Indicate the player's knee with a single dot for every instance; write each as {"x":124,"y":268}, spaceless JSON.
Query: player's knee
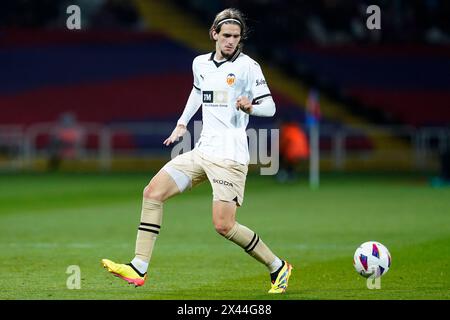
{"x":222,"y":228}
{"x":153,"y":193}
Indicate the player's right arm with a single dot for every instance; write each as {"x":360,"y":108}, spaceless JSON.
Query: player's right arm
{"x":194,"y":102}
{"x":177,"y":133}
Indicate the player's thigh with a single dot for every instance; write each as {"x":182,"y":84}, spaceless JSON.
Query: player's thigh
{"x":185,"y":170}
{"x":161,"y":187}
{"x":227,"y":179}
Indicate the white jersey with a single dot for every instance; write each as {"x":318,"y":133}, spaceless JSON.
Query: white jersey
{"x":219,"y":85}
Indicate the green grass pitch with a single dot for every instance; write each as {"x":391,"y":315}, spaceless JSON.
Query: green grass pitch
{"x":50,"y":222}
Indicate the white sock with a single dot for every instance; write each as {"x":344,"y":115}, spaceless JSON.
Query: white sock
{"x":275,"y":265}
{"x":139,"y":264}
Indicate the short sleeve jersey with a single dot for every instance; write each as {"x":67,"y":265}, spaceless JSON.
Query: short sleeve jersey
{"x":220,"y":84}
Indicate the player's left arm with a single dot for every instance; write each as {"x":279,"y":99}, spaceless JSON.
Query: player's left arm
{"x":264,"y":107}
{"x":262,"y":104}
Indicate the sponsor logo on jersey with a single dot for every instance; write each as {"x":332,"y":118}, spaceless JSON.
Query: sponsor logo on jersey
{"x":215,"y":98}
{"x":208,"y":96}
{"x":260,"y":82}
{"x":231,"y":78}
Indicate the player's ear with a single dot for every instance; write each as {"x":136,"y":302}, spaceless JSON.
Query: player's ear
{"x":215,"y":35}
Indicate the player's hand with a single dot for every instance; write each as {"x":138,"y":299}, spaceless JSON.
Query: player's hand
{"x":177,"y":133}
{"x":244,"y":104}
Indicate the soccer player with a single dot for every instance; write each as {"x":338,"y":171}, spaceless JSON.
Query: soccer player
{"x":230,"y":87}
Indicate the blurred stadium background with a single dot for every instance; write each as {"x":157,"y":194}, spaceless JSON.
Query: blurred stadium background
{"x":125,"y":77}
{"x":117,"y":86}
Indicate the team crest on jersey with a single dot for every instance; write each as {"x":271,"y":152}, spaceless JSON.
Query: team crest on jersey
{"x":231,"y":78}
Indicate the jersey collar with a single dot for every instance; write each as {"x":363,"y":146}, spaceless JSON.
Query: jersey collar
{"x":232,"y":58}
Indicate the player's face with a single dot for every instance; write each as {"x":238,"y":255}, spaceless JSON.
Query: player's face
{"x":227,"y":40}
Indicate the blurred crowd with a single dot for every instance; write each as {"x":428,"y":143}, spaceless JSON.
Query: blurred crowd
{"x":277,"y":21}
{"x":340,"y":21}
{"x":107,"y":14}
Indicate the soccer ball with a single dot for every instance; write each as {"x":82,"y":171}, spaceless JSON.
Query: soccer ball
{"x":372,"y":259}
